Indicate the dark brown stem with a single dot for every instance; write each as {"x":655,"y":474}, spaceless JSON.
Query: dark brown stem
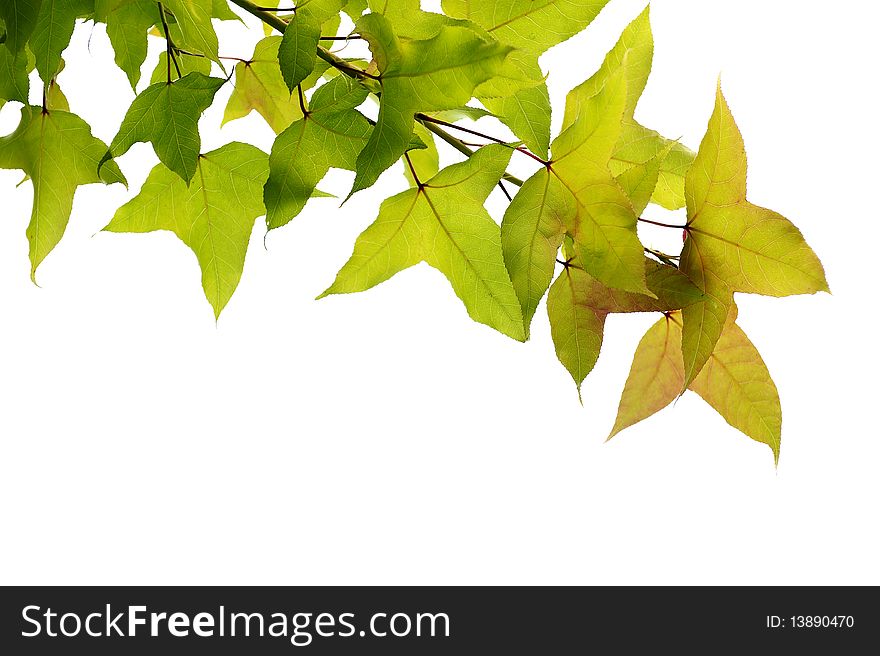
{"x":663,"y":225}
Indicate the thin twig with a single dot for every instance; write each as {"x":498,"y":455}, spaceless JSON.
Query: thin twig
{"x":431,"y":119}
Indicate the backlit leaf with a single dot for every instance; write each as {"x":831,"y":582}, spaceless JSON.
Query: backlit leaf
{"x":331,"y":135}
{"x":733,"y":245}
{"x":14,"y":69}
{"x":167,"y":116}
{"x":419,"y":75}
{"x":214,"y":216}
{"x":193,"y":18}
{"x":638,"y":149}
{"x":58,"y":153}
{"x":444,"y":224}
{"x":578,"y":305}
{"x":128,"y":22}
{"x":20,"y":18}
{"x":53,"y":30}
{"x":260,"y":86}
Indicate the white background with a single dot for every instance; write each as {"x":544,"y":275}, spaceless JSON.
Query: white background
{"x":384,"y":437}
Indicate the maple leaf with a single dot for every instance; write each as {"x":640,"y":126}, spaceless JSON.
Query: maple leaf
{"x":733,"y":245}
{"x":193,"y":18}
{"x":20,"y":18}
{"x":14,"y":70}
{"x":260,"y":86}
{"x":735,"y":382}
{"x":128,"y":22}
{"x":331,"y":134}
{"x":58,"y":153}
{"x":214,"y":215}
{"x":578,"y":305}
{"x":575,"y":194}
{"x":531,"y":27}
{"x":297,"y":53}
{"x":419,"y":75}
{"x":167,"y":114}
{"x":443,"y":222}
{"x":638,"y":150}
{"x":52,"y":32}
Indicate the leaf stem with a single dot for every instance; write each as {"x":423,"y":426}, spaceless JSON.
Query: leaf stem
{"x":463,"y":149}
{"x":412,"y":169}
{"x":663,"y":225}
{"x":169,"y":45}
{"x":431,"y":119}
{"x":265,"y":15}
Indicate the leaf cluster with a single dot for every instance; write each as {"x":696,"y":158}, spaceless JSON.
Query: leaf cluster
{"x":569,"y":233}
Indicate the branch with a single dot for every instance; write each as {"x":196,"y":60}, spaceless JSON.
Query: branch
{"x":336,"y":62}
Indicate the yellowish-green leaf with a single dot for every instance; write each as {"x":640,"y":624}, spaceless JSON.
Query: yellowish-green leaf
{"x":638,"y":148}
{"x":656,"y":377}
{"x":167,"y":115}
{"x":733,"y":245}
{"x":193,"y":18}
{"x":260,"y":86}
{"x":214,"y":216}
{"x":53,"y":30}
{"x":58,"y":153}
{"x":419,"y":75}
{"x":578,"y":305}
{"x":531,"y":27}
{"x":331,"y":135}
{"x":737,"y":384}
{"x":605,"y":225}
{"x":128,"y":22}
{"x":531,"y":234}
{"x":444,"y":224}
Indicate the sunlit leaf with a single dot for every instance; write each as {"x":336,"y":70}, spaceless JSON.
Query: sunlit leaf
{"x":444,"y":224}
{"x":214,"y":216}
{"x":58,"y":153}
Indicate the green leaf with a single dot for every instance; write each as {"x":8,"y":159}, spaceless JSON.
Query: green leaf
{"x":167,"y":116}
{"x":578,"y":305}
{"x":527,"y":113}
{"x":128,"y":22}
{"x":638,"y":147}
{"x":297,"y":54}
{"x":419,"y":75}
{"x":20,"y":17}
{"x":14,"y":69}
{"x":214,"y":216}
{"x":57,"y":151}
{"x":656,"y":377}
{"x":733,"y":245}
{"x":532,"y":27}
{"x":576,"y":195}
{"x":186,"y":64}
{"x":221,"y":11}
{"x":531,"y":234}
{"x":444,"y":224}
{"x":605,"y":225}
{"x":53,"y":30}
{"x":737,"y":384}
{"x":331,"y":135}
{"x":194,"y":20}
{"x":259,"y":86}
